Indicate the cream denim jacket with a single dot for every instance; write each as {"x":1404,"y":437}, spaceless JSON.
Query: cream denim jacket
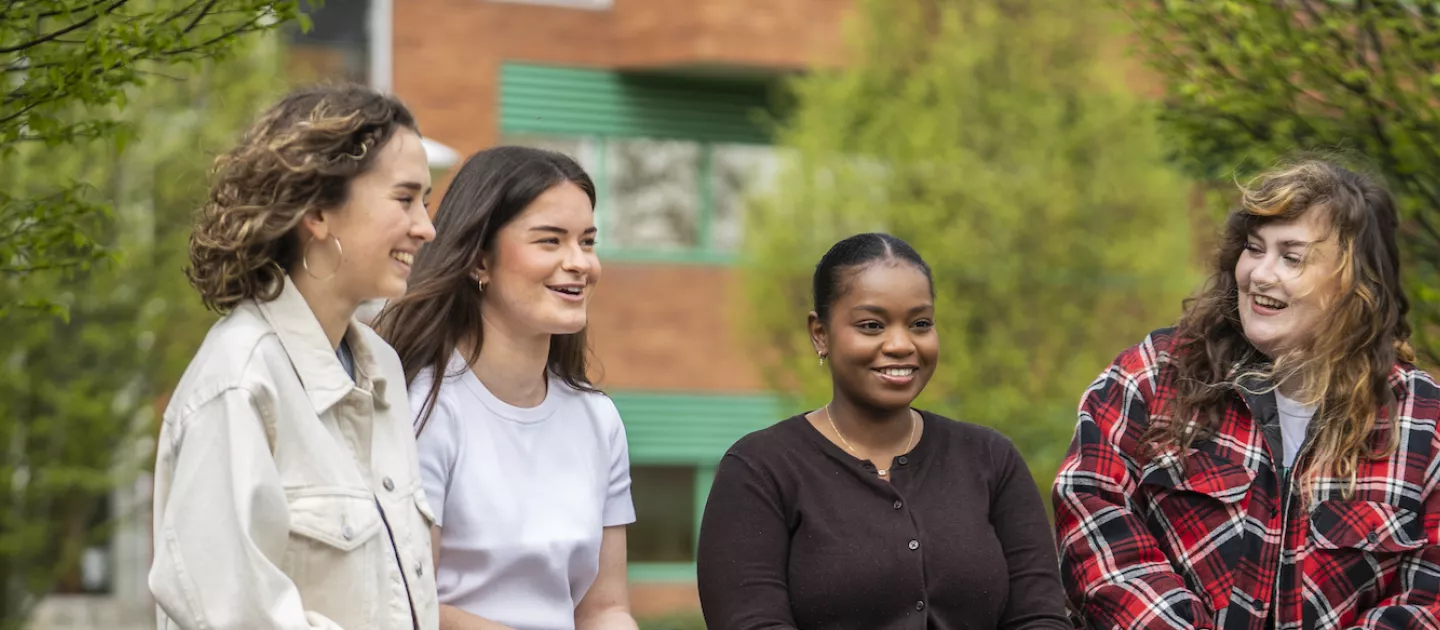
{"x":287,"y":495}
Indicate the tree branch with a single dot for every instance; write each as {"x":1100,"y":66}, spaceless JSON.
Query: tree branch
{"x":73,"y":27}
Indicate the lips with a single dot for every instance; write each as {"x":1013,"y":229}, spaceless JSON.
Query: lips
{"x":572,"y":292}
{"x":896,"y":375}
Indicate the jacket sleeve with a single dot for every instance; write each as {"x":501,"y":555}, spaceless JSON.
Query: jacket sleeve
{"x":222,"y":525}
{"x":1114,"y":571}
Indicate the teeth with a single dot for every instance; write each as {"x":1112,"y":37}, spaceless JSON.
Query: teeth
{"x":404,"y":257}
{"x":568,"y":290}
{"x":1269,"y":302}
{"x":897,"y":371}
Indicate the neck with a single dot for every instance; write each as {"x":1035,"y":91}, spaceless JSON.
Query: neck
{"x":512,"y":365}
{"x":868,"y":427}
{"x":332,"y":311}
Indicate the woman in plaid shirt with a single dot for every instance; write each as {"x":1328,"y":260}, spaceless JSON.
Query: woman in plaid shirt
{"x":1270,"y":462}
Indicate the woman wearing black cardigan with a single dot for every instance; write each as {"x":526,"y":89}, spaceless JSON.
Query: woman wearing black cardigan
{"x":866,"y":513}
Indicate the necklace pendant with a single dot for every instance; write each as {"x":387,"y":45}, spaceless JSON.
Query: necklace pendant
{"x":884,"y":471}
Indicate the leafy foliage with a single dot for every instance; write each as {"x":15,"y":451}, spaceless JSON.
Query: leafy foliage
{"x":1248,"y":81}
{"x":999,"y":139}
{"x":63,"y":65}
{"x":79,"y":397}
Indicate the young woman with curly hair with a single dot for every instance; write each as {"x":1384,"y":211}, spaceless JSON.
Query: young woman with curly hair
{"x":1272,"y":461}
{"x":287,"y":490}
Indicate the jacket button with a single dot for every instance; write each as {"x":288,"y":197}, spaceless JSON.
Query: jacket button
{"x":899,"y":505}
{"x":903,"y":460}
{"x":420,"y":569}
{"x":389,"y":484}
{"x":914,"y":544}
{"x":920,"y":605}
{"x":1372,"y":538}
{"x":347,"y":533}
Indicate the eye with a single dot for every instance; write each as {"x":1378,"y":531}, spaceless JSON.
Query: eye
{"x":551,"y":240}
{"x":924,"y":324}
{"x":1253,"y":247}
{"x":1294,"y":259}
{"x":406,"y":201}
{"x":870,"y":326}
{"x":588,"y":241}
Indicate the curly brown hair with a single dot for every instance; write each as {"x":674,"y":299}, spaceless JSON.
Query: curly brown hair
{"x":299,"y":157}
{"x":1344,"y":368}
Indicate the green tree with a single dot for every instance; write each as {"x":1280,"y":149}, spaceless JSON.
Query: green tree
{"x":1248,"y":81}
{"x":79,"y":398}
{"x":62,"y":64}
{"x":999,"y":140}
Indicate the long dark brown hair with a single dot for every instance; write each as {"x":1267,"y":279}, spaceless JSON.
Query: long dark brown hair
{"x":1345,"y":367}
{"x":441,"y":309}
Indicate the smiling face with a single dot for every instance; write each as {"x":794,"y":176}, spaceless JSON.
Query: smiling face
{"x":380,"y":226}
{"x":1286,"y":280}
{"x":880,"y":338}
{"x":543,"y":269}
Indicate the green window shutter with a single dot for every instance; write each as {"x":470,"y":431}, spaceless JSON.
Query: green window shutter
{"x":664,"y":428}
{"x":554,"y":100}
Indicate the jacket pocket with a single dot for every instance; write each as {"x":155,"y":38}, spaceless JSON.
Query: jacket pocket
{"x":339,"y":517}
{"x":333,"y":552}
{"x":1369,"y":526}
{"x":1203,"y":473}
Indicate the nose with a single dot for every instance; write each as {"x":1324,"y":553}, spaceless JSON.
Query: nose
{"x":1266,"y":274}
{"x":898,"y":342}
{"x":577,"y":260}
{"x":422,"y":228}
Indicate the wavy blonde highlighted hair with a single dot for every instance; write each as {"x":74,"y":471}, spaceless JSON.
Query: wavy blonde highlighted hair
{"x":1345,"y":366}
{"x":298,"y":158}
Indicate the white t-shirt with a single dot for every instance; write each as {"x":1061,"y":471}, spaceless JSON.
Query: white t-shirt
{"x":522,"y":496}
{"x":1294,"y":418}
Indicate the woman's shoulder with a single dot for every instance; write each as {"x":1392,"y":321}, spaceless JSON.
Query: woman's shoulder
{"x":967,"y":435}
{"x":775,"y":441}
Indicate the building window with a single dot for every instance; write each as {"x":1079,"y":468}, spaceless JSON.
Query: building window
{"x":337,"y":46}
{"x":667,"y":200}
{"x":664,"y":528}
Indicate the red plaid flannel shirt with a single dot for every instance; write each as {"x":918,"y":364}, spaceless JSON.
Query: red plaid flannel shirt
{"x":1209,"y":545}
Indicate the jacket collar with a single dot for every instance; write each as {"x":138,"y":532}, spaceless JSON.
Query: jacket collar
{"x":315,"y":362}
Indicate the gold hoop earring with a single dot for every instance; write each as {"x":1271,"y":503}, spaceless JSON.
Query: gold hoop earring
{"x":339,"y":257}
{"x":481,"y":284}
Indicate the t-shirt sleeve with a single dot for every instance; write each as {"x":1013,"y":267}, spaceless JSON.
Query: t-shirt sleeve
{"x":438,"y":446}
{"x":619,"y":508}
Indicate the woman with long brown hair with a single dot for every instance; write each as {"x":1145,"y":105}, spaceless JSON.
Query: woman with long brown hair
{"x":524,"y":461}
{"x":287,"y":490}
{"x":1270,"y":462}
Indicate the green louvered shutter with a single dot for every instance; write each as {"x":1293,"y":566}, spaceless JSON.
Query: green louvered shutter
{"x":586,"y":102}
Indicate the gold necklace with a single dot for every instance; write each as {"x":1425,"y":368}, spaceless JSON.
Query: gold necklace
{"x":881,"y":471}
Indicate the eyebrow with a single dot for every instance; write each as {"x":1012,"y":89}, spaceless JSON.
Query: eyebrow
{"x":1285,"y":243}
{"x":415,"y":186}
{"x":880,"y":311}
{"x":559,"y":230}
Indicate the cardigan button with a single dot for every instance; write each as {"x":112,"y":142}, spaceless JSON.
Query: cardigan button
{"x":899,"y":505}
{"x":902,"y":460}
{"x":914,"y":544}
{"x":389,"y":484}
{"x":1372,"y":538}
{"x":920,"y":605}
